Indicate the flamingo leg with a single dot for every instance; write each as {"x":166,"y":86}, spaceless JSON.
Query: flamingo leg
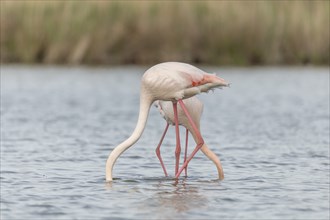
{"x":185,"y":152}
{"x":200,"y":141}
{"x":177,"y":133}
{"x":158,"y":150}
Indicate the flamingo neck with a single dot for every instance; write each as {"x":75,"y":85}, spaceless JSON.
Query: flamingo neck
{"x":214,"y":158}
{"x":145,"y":103}
{"x":209,"y":154}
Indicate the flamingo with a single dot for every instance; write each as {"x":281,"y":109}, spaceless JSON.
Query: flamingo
{"x":169,"y":81}
{"x":195,"y":109}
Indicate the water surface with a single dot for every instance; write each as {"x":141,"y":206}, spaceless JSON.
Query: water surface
{"x":58,"y":125}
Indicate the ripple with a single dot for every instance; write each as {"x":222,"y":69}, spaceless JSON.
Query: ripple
{"x":53,"y":156}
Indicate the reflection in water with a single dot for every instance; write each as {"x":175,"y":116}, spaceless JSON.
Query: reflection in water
{"x":165,"y":197}
{"x":108,"y":185}
{"x":179,"y":196}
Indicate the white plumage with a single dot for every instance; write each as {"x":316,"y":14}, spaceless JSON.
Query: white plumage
{"x":171,"y":81}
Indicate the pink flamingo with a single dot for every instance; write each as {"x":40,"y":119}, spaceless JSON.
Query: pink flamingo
{"x":195,"y":109}
{"x":170,"y":81}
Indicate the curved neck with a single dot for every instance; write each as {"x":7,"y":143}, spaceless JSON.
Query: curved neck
{"x":214,"y":158}
{"x":145,"y":103}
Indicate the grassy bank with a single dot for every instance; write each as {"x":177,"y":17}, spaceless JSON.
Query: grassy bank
{"x":143,"y":32}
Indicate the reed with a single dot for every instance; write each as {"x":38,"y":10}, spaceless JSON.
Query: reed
{"x":145,"y":32}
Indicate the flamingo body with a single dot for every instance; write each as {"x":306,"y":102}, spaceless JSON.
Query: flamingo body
{"x":170,"y":81}
{"x":193,"y":104}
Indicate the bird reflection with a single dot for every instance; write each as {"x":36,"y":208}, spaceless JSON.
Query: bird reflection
{"x":178,"y":195}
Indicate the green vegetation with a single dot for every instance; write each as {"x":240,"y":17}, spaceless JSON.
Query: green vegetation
{"x":146,"y":32}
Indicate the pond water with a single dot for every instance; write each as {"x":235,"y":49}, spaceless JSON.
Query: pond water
{"x":59,"y":124}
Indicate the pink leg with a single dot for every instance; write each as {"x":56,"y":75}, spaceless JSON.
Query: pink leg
{"x":198,"y":134}
{"x":158,"y":150}
{"x":177,"y":132}
{"x":185,"y":152}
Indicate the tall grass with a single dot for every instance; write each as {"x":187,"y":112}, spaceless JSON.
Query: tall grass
{"x":122,"y":32}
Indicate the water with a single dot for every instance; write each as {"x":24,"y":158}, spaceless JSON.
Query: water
{"x":58,"y":125}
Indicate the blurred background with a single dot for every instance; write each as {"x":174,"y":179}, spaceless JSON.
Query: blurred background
{"x":148,"y":32}
{"x":60,"y":121}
